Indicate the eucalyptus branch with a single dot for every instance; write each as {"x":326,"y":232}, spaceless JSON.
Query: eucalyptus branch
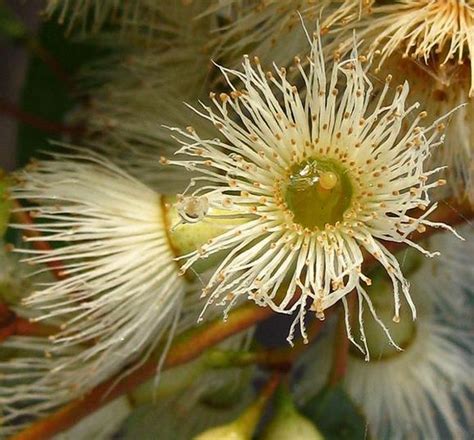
{"x":13,"y":111}
{"x":280,"y":359}
{"x":34,"y":237}
{"x":13,"y":325}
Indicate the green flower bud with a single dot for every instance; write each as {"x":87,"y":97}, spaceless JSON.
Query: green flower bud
{"x":288,"y":423}
{"x":240,"y":429}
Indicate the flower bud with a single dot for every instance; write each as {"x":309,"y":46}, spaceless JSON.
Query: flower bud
{"x":241,"y":428}
{"x":288,"y":423}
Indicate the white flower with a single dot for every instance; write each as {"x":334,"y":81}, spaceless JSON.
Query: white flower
{"x":454,"y":277}
{"x":426,"y":389}
{"x":146,"y":89}
{"x":436,"y":32}
{"x":430,"y":44}
{"x":272,"y":29}
{"x":119,"y":294}
{"x":318,"y":179}
{"x":92,"y":15}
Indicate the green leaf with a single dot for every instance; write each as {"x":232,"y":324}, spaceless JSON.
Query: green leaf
{"x":336,"y":415}
{"x":10,"y":26}
{"x":44,"y":95}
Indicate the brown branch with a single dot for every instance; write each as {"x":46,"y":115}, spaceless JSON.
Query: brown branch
{"x":186,"y":348}
{"x":24,"y":218}
{"x":11,"y":325}
{"x":271,"y":386}
{"x":191,"y":346}
{"x":283,"y":358}
{"x":278,"y":359}
{"x":7,"y":322}
{"x":10,"y":109}
{"x":37,"y":48}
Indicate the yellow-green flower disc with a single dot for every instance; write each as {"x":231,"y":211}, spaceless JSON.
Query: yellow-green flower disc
{"x":318,"y":192}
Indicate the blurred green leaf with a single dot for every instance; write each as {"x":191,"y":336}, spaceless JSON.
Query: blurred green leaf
{"x":10,"y":26}
{"x":44,"y":94}
{"x":336,"y":415}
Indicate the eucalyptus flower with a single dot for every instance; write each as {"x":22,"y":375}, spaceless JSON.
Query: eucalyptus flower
{"x":316,"y":181}
{"x":140,"y":92}
{"x":92,"y":15}
{"x":430,"y":44}
{"x":425,"y":389}
{"x":272,"y":29}
{"x":119,"y":294}
{"x":432,"y":31}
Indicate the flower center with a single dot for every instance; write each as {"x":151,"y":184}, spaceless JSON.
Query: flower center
{"x":318,"y":192}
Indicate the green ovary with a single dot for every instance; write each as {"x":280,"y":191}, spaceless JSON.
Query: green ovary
{"x":318,"y":192}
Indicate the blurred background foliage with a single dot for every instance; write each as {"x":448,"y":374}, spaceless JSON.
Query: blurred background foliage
{"x":48,"y":93}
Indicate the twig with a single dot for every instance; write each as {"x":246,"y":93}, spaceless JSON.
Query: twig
{"x":24,"y":218}
{"x":185,"y":349}
{"x":11,"y":324}
{"x":35,"y":121}
{"x":280,"y":359}
{"x":36,"y":47}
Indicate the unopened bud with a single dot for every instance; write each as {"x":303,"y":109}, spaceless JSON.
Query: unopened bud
{"x":288,"y":423}
{"x":240,"y":429}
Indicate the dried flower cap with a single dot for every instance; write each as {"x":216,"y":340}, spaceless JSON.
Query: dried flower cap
{"x":320,"y":181}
